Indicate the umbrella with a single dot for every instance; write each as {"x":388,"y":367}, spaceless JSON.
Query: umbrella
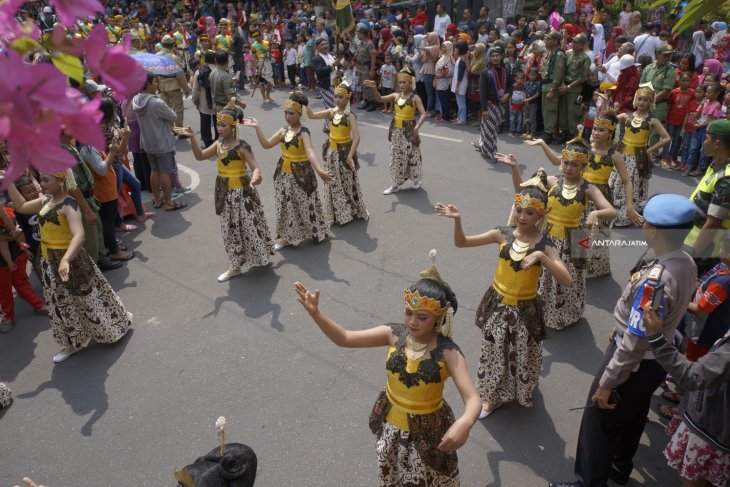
{"x":158,"y":65}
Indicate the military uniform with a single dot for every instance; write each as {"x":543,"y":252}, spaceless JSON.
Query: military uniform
{"x":609,"y":438}
{"x":363,"y":67}
{"x":662,"y":78}
{"x":552,"y":74}
{"x":577,"y":69}
{"x":171,"y":88}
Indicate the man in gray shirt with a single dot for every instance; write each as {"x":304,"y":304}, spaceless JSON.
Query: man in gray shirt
{"x":221,"y":83}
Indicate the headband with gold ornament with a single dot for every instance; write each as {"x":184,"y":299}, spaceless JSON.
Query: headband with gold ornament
{"x":343,"y":89}
{"x":404,"y":77}
{"x":224,"y":114}
{"x":645,"y":89}
{"x":293,"y":104}
{"x":528,"y":201}
{"x":415,"y":302}
{"x":604,"y":122}
{"x":574,"y":155}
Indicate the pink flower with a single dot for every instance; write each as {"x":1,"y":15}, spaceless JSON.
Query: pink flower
{"x":69,"y":10}
{"x":84,"y":124}
{"x":122,"y":73}
{"x":68,"y":45}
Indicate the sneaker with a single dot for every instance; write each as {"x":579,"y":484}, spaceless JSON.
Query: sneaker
{"x":281,"y":244}
{"x":183,"y":190}
{"x":416,"y":184}
{"x":391,"y":190}
{"x":65,"y":353}
{"x":6,"y":326}
{"x":229,"y":274}
{"x":485,"y":413}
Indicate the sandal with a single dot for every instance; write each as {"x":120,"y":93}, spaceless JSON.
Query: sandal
{"x":671,"y":397}
{"x":147,"y":215}
{"x":125,"y":228}
{"x":158,"y":205}
{"x":176,"y":206}
{"x":122,"y":255}
{"x":667,"y":412}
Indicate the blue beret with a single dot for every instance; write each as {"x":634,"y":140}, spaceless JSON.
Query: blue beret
{"x":666,"y":210}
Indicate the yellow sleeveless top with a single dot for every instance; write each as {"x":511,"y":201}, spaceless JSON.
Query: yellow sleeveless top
{"x":565,"y":213}
{"x":340,"y":131}
{"x":599,"y":168}
{"x":405,"y":110}
{"x":55,"y":232}
{"x":511,"y":281}
{"x":231,"y":165}
{"x":636,"y":135}
{"x":292,"y":150}
{"x":415,"y":386}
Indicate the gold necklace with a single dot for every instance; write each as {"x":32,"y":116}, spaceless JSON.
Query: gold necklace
{"x":337,"y":117}
{"x":518,"y":250}
{"x":415,"y":350}
{"x":289,"y":135}
{"x":569,"y":191}
{"x":637,"y":121}
{"x":401,"y":101}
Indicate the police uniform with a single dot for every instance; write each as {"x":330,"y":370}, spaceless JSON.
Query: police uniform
{"x":662,"y":78}
{"x":577,"y":69}
{"x":712,"y":198}
{"x":552,"y":73}
{"x":172,"y":87}
{"x":609,"y":438}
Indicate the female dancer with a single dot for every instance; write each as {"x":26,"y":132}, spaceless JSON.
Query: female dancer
{"x":568,"y":197}
{"x":493,"y":92}
{"x":299,"y":212}
{"x":405,"y":151}
{"x":511,"y":312}
{"x":82,"y":303}
{"x":417,"y":434}
{"x":635,"y":149}
{"x":343,"y":199}
{"x":602,"y":161}
{"x":246,"y":236}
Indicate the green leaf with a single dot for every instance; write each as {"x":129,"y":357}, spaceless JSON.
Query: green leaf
{"x":69,"y":65}
{"x":24,"y":45}
{"x":694,"y":11}
{"x":659,"y":2}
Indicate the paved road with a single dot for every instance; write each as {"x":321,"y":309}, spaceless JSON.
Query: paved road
{"x":128,"y":414}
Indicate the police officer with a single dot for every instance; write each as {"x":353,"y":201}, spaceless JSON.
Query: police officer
{"x":577,"y":69}
{"x":552,"y":73}
{"x":172,"y":87}
{"x":712,"y":198}
{"x":621,"y":392}
{"x":663,"y":78}
{"x":365,"y":66}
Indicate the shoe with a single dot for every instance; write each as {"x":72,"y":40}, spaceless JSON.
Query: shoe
{"x":64,"y":354}
{"x":42,"y":311}
{"x":183,"y":190}
{"x":6,"y":326}
{"x":130,"y":316}
{"x":122,"y":255}
{"x":281,"y":244}
{"x":107,"y":264}
{"x":416,"y":185}
{"x":372,"y":108}
{"x":125,"y":228}
{"x":391,"y":190}
{"x":229,"y":274}
{"x":618,"y":476}
{"x":565,"y":484}
{"x":486,"y":413}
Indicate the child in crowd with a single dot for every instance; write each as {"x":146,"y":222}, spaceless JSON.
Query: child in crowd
{"x":249,"y":63}
{"x":678,"y":105}
{"x":290,"y":61}
{"x":387,"y":81}
{"x":277,"y":63}
{"x":533,"y":88}
{"x":7,"y":235}
{"x":690,"y":121}
{"x":29,"y":223}
{"x":709,"y":110}
{"x":300,"y":61}
{"x":517,"y":103}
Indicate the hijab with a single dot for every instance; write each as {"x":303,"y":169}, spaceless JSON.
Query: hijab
{"x":599,"y":41}
{"x":444,"y":59}
{"x":433,"y":45}
{"x":478,"y":61}
{"x":713,"y":67}
{"x":634,"y":28}
{"x":211,"y":28}
{"x":500,"y":26}
{"x":387,"y":39}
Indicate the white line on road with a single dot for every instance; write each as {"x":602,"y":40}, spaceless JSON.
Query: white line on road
{"x":194,"y":182}
{"x":386,"y":127}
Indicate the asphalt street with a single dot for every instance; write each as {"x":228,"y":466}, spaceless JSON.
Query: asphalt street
{"x":128,"y":414}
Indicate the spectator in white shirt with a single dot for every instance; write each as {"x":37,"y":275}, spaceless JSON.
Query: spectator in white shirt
{"x":441,"y":21}
{"x":646,"y":43}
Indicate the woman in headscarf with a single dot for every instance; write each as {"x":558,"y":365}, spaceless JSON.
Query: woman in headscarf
{"x":634,"y":28}
{"x":720,"y":31}
{"x":477,"y":64}
{"x":211,"y":28}
{"x":611,"y":45}
{"x":415,"y":59}
{"x":599,"y":41}
{"x":626,"y":84}
{"x":429,"y":55}
{"x":493,"y":91}
{"x":500,"y":26}
{"x":386,"y":40}
{"x":451,"y":32}
{"x":444,"y":73}
{"x":710,"y":66}
{"x":723,"y":51}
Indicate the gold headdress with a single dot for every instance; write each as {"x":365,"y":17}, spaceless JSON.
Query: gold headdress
{"x":66,"y":179}
{"x":524,"y":199}
{"x":293,"y":104}
{"x":415,"y":302}
{"x":405,"y":74}
{"x":232,"y":114}
{"x":645,"y":89}
{"x":528,"y":201}
{"x":343,"y":89}
{"x":600,"y":121}
{"x":573,"y":153}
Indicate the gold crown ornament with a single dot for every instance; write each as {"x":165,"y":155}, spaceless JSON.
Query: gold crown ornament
{"x":575,"y":155}
{"x":293,"y":104}
{"x":415,"y":302}
{"x":646,"y":89}
{"x":529,"y":201}
{"x":604,"y":122}
{"x":343,"y":89}
{"x":225,"y":116}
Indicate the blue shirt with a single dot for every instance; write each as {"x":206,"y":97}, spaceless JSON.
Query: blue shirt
{"x":532,"y":87}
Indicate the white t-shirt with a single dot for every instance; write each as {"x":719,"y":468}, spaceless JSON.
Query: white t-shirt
{"x":387,"y":76}
{"x":440,"y":24}
{"x":646,"y":44}
{"x":290,"y":56}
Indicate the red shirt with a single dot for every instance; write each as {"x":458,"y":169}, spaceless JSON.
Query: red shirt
{"x":678,"y":101}
{"x":277,"y":55}
{"x":694,"y":114}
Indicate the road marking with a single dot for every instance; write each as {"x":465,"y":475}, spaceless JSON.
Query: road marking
{"x":387,"y":127}
{"x":194,"y":182}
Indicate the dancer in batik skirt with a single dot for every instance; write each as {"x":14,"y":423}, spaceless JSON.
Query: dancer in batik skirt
{"x":635,"y":149}
{"x":603,"y":159}
{"x":511,"y":312}
{"x":417,"y":433}
{"x":299,"y":213}
{"x":405,"y":150}
{"x":343,"y":199}
{"x":568,"y":196}
{"x":246,"y":235}
{"x":81,"y":302}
